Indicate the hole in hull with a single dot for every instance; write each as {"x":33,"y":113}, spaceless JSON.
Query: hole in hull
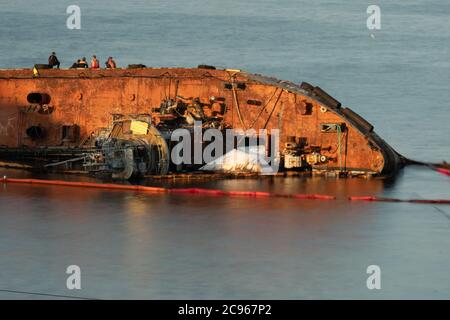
{"x":38,"y":98}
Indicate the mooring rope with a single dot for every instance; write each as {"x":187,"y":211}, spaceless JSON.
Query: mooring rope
{"x":378,"y":199}
{"x":236,"y":102}
{"x":443,"y":168}
{"x":339,"y":131}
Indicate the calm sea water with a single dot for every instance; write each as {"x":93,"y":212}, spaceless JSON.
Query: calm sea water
{"x":144,"y":246}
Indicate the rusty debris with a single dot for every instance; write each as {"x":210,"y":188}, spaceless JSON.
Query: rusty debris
{"x":118,"y":122}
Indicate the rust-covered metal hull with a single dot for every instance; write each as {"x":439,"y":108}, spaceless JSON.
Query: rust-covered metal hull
{"x":70,"y":105}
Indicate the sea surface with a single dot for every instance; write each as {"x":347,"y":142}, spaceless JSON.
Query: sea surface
{"x":133,"y":245}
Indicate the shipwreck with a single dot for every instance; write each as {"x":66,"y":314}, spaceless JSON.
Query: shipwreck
{"x":119,"y":122}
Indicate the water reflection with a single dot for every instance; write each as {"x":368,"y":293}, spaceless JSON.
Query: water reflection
{"x":138,"y":245}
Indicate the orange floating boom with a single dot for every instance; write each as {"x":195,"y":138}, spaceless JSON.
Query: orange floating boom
{"x":213,"y":192}
{"x":165,"y":190}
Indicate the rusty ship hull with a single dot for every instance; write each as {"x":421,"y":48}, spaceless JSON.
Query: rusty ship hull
{"x":57,"y":112}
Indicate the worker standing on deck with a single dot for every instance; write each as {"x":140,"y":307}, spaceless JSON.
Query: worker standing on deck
{"x":94,"y":63}
{"x":53,"y":60}
{"x":110,"y":63}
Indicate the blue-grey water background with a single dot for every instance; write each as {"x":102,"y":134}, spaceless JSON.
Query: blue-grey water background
{"x":131,"y":245}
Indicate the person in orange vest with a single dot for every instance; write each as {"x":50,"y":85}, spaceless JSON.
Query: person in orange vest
{"x":110,"y":63}
{"x":94,"y":62}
